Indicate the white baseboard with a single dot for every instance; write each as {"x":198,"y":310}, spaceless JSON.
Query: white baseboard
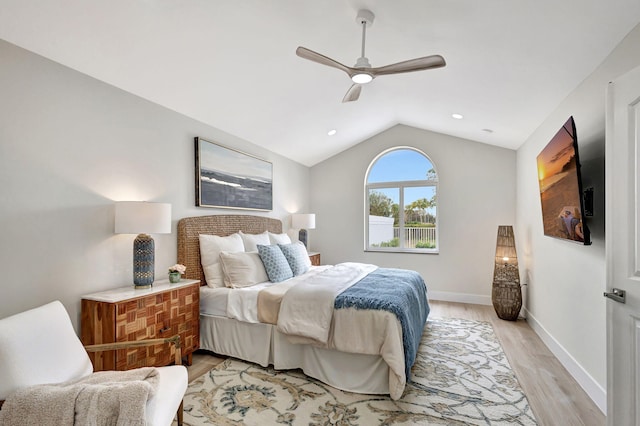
{"x":596,"y":392}
{"x":475,"y":299}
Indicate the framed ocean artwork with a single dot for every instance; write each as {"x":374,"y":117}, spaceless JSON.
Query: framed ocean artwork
{"x":227,"y":178}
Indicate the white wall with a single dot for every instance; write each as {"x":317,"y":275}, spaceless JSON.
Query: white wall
{"x":380,"y":229}
{"x":71,"y":145}
{"x":476,"y":194}
{"x":566,"y":280}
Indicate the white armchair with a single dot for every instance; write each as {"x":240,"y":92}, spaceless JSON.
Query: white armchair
{"x":40,"y":346}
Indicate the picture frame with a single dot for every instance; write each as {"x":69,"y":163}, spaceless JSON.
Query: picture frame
{"x":228,"y":178}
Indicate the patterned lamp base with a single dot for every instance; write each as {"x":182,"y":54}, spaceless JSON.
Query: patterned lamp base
{"x":143,"y":261}
{"x":506,"y":294}
{"x":302,"y":236}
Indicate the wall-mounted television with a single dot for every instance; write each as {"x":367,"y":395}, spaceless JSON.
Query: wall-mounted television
{"x":563,"y":213}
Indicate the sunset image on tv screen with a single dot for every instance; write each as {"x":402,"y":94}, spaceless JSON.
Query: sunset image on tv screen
{"x":560,"y":188}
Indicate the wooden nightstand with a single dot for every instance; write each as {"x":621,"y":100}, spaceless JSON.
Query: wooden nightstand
{"x":315,"y":258}
{"x":127,"y":314}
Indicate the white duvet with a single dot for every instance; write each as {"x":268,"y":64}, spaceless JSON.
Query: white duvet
{"x":307,"y":308}
{"x":242,"y":303}
{"x":307,"y":316}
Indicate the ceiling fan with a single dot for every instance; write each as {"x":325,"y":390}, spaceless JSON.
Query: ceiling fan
{"x":362,"y":72}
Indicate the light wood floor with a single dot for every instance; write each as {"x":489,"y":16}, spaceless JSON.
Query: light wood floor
{"x":555,"y":397}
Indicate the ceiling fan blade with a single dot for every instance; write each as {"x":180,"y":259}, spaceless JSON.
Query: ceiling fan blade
{"x":305,"y":53}
{"x":418,"y":64}
{"x":353,"y":93}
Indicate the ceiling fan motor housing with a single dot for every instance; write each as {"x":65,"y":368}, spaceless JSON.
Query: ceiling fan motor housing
{"x":362,"y":62}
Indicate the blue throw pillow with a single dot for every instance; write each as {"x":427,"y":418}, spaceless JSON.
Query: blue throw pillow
{"x":297,"y":257}
{"x":275,"y":263}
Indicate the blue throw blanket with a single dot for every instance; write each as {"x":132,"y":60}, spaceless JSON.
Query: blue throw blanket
{"x":399,"y":291}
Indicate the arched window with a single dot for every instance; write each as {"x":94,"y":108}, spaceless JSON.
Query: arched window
{"x":401,"y":202}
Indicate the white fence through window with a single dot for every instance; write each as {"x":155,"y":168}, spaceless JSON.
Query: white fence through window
{"x":413,"y":235}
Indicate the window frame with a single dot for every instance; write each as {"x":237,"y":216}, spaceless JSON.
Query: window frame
{"x":400,"y":185}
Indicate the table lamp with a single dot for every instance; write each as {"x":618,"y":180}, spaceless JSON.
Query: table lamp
{"x":303,"y":222}
{"x":143,"y":218}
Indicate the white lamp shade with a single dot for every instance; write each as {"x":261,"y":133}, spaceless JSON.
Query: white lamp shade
{"x":303,"y":221}
{"x":140,"y":217}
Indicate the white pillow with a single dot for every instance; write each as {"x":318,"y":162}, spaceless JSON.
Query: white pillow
{"x":242,"y":269}
{"x":251,"y":241}
{"x":210,"y":248}
{"x":279,"y":239}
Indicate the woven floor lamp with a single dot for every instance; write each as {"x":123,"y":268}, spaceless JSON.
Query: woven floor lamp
{"x":506,"y":294}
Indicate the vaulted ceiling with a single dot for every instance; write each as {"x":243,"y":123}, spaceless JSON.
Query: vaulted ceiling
{"x":232,"y":64}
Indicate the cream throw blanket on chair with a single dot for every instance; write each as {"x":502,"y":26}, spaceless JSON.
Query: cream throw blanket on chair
{"x":103,"y":398}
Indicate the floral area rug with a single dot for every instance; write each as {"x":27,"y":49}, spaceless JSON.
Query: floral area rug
{"x":461,"y":377}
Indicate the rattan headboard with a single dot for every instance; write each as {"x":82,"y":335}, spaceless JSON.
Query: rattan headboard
{"x":190,"y":227}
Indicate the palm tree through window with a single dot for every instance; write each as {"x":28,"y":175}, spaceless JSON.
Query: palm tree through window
{"x":401,"y":202}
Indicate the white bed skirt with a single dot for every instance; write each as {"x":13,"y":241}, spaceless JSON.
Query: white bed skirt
{"x":263,"y":344}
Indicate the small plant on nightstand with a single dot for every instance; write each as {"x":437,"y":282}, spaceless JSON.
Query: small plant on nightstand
{"x":175,"y":271}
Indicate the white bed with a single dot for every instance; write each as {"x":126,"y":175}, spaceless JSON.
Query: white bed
{"x":335,"y":364}
{"x":264,"y":345}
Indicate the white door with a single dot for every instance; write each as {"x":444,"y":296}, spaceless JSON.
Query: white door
{"x":623,"y":249}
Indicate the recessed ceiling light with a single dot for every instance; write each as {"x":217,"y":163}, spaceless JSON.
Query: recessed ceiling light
{"x":332,"y":132}
{"x":457,"y":116}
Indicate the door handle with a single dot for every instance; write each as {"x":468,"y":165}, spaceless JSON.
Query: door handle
{"x":617,"y":295}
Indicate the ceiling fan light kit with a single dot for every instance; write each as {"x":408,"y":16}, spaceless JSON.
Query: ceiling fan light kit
{"x":362,"y":72}
{"x":361,"y":78}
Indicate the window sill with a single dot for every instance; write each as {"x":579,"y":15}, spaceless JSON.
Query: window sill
{"x":414,"y":251}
